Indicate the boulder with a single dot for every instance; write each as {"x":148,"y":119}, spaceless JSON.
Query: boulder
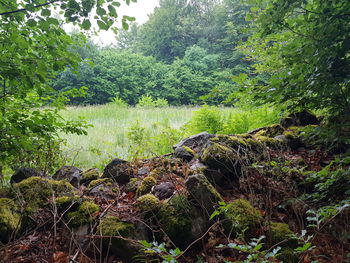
{"x":164,"y":190}
{"x":24,"y":173}
{"x":10,"y":219}
{"x":89,"y":175}
{"x":119,"y":170}
{"x":301,"y":118}
{"x":185,"y":153}
{"x":203,"y":192}
{"x":195,"y":142}
{"x":104,"y":188}
{"x":71,"y":174}
{"x":268,"y":131}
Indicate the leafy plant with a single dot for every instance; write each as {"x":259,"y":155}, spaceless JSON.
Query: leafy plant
{"x":156,"y":249}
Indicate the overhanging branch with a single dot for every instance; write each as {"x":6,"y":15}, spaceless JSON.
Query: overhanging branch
{"x":24,"y":9}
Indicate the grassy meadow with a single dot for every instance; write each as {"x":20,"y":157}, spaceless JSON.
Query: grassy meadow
{"x":131,"y":132}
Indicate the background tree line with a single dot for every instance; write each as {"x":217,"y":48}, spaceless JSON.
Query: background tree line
{"x":186,"y":50}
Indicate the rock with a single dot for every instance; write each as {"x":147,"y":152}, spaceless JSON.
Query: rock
{"x":143,"y":171}
{"x":185,"y":153}
{"x":89,"y":175}
{"x":223,"y":159}
{"x":197,"y":165}
{"x":116,"y":236}
{"x":268,"y":131}
{"x":85,"y":213}
{"x":293,"y":142}
{"x":241,"y":217}
{"x":35,"y":192}
{"x":148,"y":203}
{"x":281,"y":232}
{"x":69,"y":173}
{"x":104,"y":188}
{"x":10,"y":219}
{"x":302,"y":118}
{"x":195,"y":142}
{"x":163,"y":190}
{"x":119,"y":170}
{"x":24,"y":173}
{"x":146,"y":185}
{"x":202,"y":191}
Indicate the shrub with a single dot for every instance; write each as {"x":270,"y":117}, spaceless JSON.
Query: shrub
{"x":147,"y":101}
{"x":207,"y":118}
{"x":119,"y":102}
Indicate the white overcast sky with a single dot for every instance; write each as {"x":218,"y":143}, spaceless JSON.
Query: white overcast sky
{"x":139,"y":10}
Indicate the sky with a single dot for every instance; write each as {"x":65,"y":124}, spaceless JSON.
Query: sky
{"x":139,"y":10}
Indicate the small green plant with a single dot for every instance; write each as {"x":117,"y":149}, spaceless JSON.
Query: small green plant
{"x":154,"y":249}
{"x":119,"y":102}
{"x":207,"y":118}
{"x":147,"y":101}
{"x":254,"y":252}
{"x":139,"y":140}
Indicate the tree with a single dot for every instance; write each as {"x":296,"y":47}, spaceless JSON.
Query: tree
{"x":33,"y":48}
{"x":303,"y":46}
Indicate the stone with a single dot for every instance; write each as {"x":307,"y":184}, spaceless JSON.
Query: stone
{"x":183,"y":153}
{"x":143,"y":171}
{"x":71,"y":174}
{"x":195,"y":142}
{"x":10,"y":219}
{"x":119,"y":170}
{"x":89,"y":175}
{"x":203,"y":192}
{"x":24,"y":173}
{"x":301,"y":118}
{"x":163,"y":190}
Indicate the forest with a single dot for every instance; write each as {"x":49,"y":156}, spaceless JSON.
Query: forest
{"x":215,"y":131}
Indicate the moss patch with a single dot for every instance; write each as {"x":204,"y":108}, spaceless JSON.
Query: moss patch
{"x":36,"y":191}
{"x":148,"y":203}
{"x":90,"y":175}
{"x":281,"y":232}
{"x":9,"y":219}
{"x":104,"y":181}
{"x":241,"y":218}
{"x":85,"y":214}
{"x":146,"y":185}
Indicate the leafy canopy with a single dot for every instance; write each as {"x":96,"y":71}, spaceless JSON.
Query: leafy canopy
{"x":303,"y":48}
{"x":33,"y":48}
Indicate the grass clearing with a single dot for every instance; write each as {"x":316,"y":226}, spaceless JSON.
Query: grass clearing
{"x":130,"y":132}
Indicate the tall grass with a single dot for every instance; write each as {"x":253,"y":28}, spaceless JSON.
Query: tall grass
{"x":128,"y":132}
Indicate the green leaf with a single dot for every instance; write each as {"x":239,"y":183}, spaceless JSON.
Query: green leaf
{"x":46,"y":12}
{"x":31,"y":22}
{"x":102,"y":25}
{"x":86,"y":25}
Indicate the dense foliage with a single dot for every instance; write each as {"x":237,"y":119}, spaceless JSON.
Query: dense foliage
{"x":303,"y":46}
{"x":33,"y":48}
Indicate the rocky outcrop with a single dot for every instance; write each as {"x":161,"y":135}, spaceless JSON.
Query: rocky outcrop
{"x":119,"y":170}
{"x":24,"y":173}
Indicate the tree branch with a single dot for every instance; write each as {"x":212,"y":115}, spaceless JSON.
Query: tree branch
{"x":24,"y":9}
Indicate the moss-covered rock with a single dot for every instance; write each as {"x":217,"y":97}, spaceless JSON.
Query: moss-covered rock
{"x":287,"y":255}
{"x":90,"y":175}
{"x":241,"y":218}
{"x":24,"y":173}
{"x":203,"y":192}
{"x":146,"y":185}
{"x":221,"y":158}
{"x":270,"y":131}
{"x":176,"y":220}
{"x":281,"y":233}
{"x":9,"y":219}
{"x":119,"y":170}
{"x":36,"y":191}
{"x":148,"y":203}
{"x":116,"y":233}
{"x":67,"y":202}
{"x":103,"y":181}
{"x":272,"y":143}
{"x":84,"y":214}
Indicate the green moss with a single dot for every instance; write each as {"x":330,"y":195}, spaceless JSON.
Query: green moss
{"x":241,"y":217}
{"x":270,"y":142}
{"x":132,"y":185}
{"x":112,"y":226}
{"x":289,"y":135}
{"x":84,"y":214}
{"x":281,"y":232}
{"x":287,"y":255}
{"x":271,"y":131}
{"x":65,"y":202}
{"x":219,"y":157}
{"x":35,"y":191}
{"x":148,"y":203}
{"x":146,"y":185}
{"x":9,"y":219}
{"x":104,"y":181}
{"x":189,"y":150}
{"x":176,"y":220}
{"x":232,"y":141}
{"x":90,"y":175}
{"x":156,"y":173}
